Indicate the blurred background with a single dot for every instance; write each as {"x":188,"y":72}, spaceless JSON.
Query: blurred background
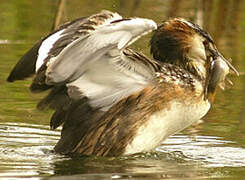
{"x":214,"y":148}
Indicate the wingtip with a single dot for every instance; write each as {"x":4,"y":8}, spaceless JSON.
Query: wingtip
{"x":13,"y":76}
{"x":10,"y":79}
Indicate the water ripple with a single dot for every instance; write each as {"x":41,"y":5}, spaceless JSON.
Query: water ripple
{"x":26,"y":151}
{"x":212,"y":151}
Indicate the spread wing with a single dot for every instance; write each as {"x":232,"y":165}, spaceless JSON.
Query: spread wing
{"x":55,"y":42}
{"x":87,"y":60}
{"x":97,"y":65}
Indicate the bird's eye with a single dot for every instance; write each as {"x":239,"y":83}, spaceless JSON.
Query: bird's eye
{"x":205,"y":43}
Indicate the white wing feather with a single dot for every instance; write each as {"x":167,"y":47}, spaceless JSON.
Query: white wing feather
{"x":96,"y":66}
{"x":47,"y":44}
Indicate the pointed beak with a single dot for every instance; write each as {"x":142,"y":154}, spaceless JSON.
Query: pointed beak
{"x":218,"y":70}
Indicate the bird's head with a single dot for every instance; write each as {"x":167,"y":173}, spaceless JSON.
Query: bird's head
{"x":185,"y":44}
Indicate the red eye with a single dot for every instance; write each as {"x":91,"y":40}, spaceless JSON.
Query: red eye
{"x":205,"y":43}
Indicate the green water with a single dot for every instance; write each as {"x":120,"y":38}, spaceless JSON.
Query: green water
{"x":214,"y":148}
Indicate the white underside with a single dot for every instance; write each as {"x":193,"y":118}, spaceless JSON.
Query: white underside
{"x":165,"y":123}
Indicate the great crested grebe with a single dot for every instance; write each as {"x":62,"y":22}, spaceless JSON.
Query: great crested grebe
{"x":115,"y":101}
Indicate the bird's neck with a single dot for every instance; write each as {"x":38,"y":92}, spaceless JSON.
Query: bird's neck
{"x":196,"y":68}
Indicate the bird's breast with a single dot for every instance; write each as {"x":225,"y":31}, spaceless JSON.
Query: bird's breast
{"x":166,"y":122}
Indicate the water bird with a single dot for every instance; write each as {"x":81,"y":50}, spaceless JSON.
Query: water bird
{"x":112,"y":100}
